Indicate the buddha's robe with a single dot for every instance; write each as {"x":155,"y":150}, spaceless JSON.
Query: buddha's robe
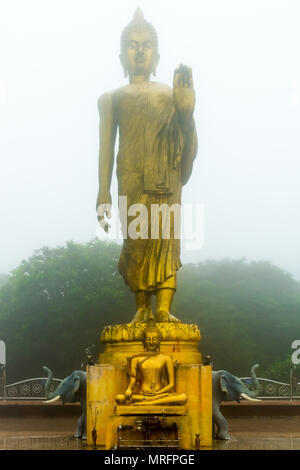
{"x":149,"y":165}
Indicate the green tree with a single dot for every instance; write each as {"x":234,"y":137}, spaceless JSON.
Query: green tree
{"x":247,"y":312}
{"x":55,"y":305}
{"x":281,"y":370}
{"x":3,"y":279}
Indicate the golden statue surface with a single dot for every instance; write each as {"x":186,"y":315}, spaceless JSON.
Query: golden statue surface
{"x":152,"y":380}
{"x":132,"y":332}
{"x":157,"y":147}
{"x":151,"y":366}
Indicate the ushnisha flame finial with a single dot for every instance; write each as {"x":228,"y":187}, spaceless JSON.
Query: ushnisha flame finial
{"x":138,"y":14}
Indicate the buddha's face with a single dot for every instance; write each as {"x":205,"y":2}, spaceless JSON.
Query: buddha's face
{"x":151,"y":341}
{"x":140,"y":56}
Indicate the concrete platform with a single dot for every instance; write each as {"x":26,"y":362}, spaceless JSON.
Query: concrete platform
{"x":35,"y":426}
{"x":261,"y":408}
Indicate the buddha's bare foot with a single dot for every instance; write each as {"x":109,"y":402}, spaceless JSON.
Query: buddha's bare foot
{"x":166,"y":317}
{"x":143,"y":315}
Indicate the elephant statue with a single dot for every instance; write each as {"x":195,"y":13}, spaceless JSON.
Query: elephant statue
{"x":70,"y":390}
{"x":227,"y":387}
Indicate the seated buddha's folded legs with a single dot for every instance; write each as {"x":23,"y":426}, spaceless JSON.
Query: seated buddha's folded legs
{"x":159,"y":399}
{"x":165,"y":399}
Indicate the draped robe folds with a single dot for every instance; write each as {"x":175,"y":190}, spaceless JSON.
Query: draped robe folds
{"x":148,"y":170}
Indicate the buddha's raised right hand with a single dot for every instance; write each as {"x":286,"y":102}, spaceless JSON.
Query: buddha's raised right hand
{"x":184,"y":95}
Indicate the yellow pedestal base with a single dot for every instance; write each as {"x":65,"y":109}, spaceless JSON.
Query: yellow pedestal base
{"x":109,"y":378}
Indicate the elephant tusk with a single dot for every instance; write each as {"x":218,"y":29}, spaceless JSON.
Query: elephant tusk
{"x":243,"y":395}
{"x":53,"y":399}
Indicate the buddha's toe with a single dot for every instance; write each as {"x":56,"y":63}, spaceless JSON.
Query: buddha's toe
{"x":166,"y":317}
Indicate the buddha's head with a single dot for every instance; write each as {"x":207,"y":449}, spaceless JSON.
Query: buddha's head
{"x":139,"y":47}
{"x":151,"y":338}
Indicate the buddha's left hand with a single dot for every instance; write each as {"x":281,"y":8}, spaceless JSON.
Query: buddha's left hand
{"x":184,"y":94}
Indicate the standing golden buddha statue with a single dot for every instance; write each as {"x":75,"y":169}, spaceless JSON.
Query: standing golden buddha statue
{"x":157,"y":147}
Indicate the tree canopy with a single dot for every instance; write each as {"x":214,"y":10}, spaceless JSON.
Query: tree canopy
{"x":3,"y":279}
{"x":248,"y":313}
{"x":55,"y":304}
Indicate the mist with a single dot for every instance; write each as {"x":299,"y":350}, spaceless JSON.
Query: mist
{"x":58,"y":57}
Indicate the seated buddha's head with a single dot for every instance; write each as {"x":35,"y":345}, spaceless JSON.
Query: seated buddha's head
{"x":151,"y":338}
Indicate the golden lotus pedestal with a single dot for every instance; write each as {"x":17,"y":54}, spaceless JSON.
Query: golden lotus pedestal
{"x":111,"y":425}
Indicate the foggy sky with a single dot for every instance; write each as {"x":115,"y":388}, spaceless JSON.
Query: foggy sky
{"x":58,"y":57}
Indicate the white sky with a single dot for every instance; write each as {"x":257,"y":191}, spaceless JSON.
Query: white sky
{"x":57,"y":57}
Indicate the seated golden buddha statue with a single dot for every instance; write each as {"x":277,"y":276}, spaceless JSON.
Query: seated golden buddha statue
{"x":151,"y":375}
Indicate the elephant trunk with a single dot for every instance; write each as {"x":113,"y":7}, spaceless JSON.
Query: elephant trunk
{"x":51,"y":396}
{"x":252,"y":394}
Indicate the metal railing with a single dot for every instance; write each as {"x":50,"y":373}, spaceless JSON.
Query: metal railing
{"x":33,"y":389}
{"x":273,"y":390}
{"x":30,"y":389}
